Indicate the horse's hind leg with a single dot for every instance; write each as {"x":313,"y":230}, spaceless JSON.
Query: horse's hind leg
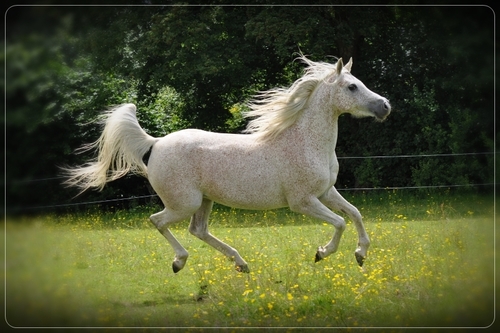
{"x":161,"y":220}
{"x":199,"y":228}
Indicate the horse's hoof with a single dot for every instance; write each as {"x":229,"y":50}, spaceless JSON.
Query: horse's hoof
{"x":175,"y":267}
{"x":360,"y":259}
{"x":242,"y":268}
{"x":317,"y":257}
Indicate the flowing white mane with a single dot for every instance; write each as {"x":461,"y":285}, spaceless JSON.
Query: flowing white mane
{"x":277,"y":109}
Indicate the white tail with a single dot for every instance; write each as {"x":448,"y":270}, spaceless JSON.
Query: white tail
{"x":120,"y":147}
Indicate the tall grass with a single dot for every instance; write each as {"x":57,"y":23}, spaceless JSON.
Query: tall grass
{"x":431,"y":263}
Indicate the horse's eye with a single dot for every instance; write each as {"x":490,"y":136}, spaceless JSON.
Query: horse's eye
{"x":352,"y":87}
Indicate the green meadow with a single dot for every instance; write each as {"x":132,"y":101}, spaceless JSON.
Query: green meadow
{"x":431,"y":264}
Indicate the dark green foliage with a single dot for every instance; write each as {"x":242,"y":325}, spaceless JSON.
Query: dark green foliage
{"x":195,"y":66}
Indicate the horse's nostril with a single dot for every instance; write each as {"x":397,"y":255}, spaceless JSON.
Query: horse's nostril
{"x":386,"y":106}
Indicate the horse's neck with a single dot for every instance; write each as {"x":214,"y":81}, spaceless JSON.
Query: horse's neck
{"x":319,"y":128}
{"x":310,"y":138}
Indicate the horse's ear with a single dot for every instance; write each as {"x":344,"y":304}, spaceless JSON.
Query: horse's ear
{"x":340,"y":65}
{"x":348,"y":65}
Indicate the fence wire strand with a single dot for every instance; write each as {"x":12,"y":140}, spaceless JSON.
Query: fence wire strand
{"x":388,"y":188}
{"x":25,"y":181}
{"x":96,"y":202}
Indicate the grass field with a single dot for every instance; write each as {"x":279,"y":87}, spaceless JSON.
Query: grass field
{"x":431,"y":264}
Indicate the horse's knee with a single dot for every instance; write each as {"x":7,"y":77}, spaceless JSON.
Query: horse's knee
{"x":356,"y":215}
{"x":339,"y":223}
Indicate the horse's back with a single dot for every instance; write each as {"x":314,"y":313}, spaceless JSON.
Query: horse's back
{"x":232,"y":169}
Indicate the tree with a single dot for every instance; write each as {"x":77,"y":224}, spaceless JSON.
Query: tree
{"x":194,"y":66}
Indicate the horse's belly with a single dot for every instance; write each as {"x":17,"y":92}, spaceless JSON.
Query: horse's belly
{"x":245,"y":192}
{"x":246,"y":201}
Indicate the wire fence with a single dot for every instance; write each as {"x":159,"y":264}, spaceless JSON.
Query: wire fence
{"x":413,"y":156}
{"x":151,"y":196}
{"x":97,"y":202}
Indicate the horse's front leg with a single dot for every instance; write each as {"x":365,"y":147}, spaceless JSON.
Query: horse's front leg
{"x":312,"y":206}
{"x":335,"y":201}
{"x":199,"y":228}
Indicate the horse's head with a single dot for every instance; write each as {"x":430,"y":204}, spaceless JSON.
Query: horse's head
{"x":352,"y":96}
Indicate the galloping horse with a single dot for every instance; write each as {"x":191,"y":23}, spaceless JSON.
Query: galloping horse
{"x":286,"y":159}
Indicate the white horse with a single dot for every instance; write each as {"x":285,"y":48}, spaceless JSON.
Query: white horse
{"x":286,"y":159}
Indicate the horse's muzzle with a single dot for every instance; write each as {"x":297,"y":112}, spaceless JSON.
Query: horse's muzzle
{"x":381,"y":109}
